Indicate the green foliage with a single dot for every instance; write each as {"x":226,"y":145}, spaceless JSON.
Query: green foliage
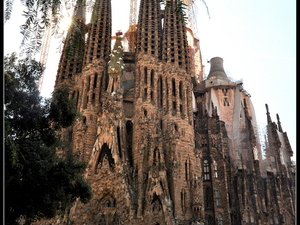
{"x":38,"y":183}
{"x":180,"y":8}
{"x":63,"y":112}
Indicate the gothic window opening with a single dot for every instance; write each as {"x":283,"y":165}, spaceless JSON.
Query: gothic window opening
{"x":252,"y":217}
{"x":129,"y":128}
{"x":215,"y":165}
{"x":176,"y":127}
{"x":160,"y":91}
{"x":83,"y":120}
{"x":180,"y":90}
{"x":145,"y":94}
{"x":208,"y":203}
{"x":173,"y":87}
{"x":196,"y":212}
{"x":93,"y":98}
{"x":161,"y":124}
{"x":145,"y":75}
{"x":203,"y":141}
{"x":209,"y":220}
{"x":186,"y":170}
{"x":105,"y":157}
{"x":152,"y":78}
{"x":219,"y":219}
{"x":174,"y":107}
{"x":119,"y":142}
{"x":95,"y":80}
{"x":156,"y":204}
{"x":88,"y":84}
{"x":167,"y":90}
{"x":249,"y":217}
{"x":273,"y":219}
{"x":213,"y":141}
{"x":181,"y":110}
{"x":218,"y":196}
{"x":156,"y":157}
{"x":183,"y":200}
{"x":206,"y":170}
{"x":226,"y":102}
{"x":152,"y":97}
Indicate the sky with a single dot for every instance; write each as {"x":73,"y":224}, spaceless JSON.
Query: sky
{"x":255,"y":38}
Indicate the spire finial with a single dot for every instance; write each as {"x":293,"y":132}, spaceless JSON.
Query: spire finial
{"x":279,"y":123}
{"x":268,"y":114}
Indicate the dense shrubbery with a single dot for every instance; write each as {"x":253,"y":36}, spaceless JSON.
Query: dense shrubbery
{"x":38,"y":183}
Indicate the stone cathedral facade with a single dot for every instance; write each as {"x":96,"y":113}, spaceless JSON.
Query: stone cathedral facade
{"x":164,"y":145}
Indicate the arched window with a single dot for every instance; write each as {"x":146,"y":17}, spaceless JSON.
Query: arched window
{"x":274,"y":219}
{"x":160,"y":91}
{"x":145,"y":75}
{"x":183,"y":200}
{"x":129,"y":129}
{"x":249,"y":216}
{"x":209,"y":220}
{"x":208,"y":198}
{"x":217,"y":196}
{"x":152,"y":78}
{"x":156,"y":157}
{"x":206,"y":170}
{"x":105,"y":155}
{"x":180,"y":90}
{"x":95,"y":80}
{"x":252,"y":217}
{"x":215,"y":165}
{"x":219,"y":219}
{"x":156,"y":204}
{"x":173,"y":87}
{"x":83,"y":120}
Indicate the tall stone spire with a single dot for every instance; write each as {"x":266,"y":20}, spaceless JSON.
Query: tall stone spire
{"x":279,"y":123}
{"x":269,"y":120}
{"x":174,"y":44}
{"x":99,"y":38}
{"x":149,"y":28}
{"x":73,"y":50}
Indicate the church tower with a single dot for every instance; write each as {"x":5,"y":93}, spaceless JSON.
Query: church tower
{"x":163,"y":145}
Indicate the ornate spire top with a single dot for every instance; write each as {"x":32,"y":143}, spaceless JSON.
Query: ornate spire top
{"x":116,"y":63}
{"x":268,"y":115}
{"x":279,"y":123}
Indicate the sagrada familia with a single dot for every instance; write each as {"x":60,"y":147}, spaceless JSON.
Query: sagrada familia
{"x":165,"y":145}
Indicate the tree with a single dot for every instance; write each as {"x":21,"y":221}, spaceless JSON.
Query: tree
{"x":38,"y":183}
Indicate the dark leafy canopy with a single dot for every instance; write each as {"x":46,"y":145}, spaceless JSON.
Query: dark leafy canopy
{"x":40,"y":15}
{"x":38,"y":183}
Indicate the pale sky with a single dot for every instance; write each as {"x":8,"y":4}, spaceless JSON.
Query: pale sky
{"x":255,"y":38}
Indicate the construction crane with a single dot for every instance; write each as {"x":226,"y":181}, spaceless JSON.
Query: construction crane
{"x":131,"y":33}
{"x":66,"y":10}
{"x":191,"y":23}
